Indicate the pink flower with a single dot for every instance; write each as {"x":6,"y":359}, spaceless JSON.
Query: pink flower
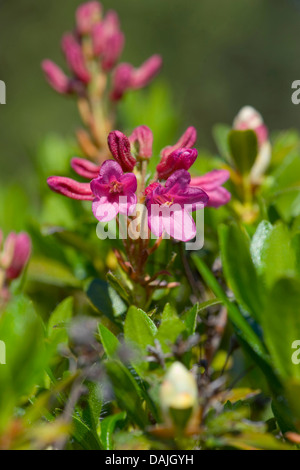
{"x":169,"y":206}
{"x":126,"y":77}
{"x":74,"y":57}
{"x":114,"y":192}
{"x":16,"y":253}
{"x":181,"y":159}
{"x":56,"y":77}
{"x":141,"y":141}
{"x":108,"y":40}
{"x":70,"y":188}
{"x":187,"y":140}
{"x":211,"y":183}
{"x":87,"y":15}
{"x":120,"y":148}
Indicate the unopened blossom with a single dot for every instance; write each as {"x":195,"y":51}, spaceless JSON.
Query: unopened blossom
{"x":87,"y":15}
{"x":75,"y":59}
{"x":108,"y":40}
{"x":56,"y":78}
{"x":141,"y":141}
{"x":120,"y":148}
{"x":169,"y":206}
{"x":181,"y":159}
{"x":85,"y":168}
{"x":70,"y":188}
{"x":179,"y":389}
{"x":249,"y":118}
{"x":114,"y":192}
{"x":126,"y":77}
{"x":15,"y":254}
{"x":211,"y":183}
{"x":187,"y":140}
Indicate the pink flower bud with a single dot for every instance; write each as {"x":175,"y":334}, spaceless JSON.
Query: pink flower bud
{"x":119,"y":146}
{"x":249,"y":118}
{"x":56,"y":77}
{"x":142,"y":76}
{"x":17,"y":250}
{"x":108,"y":40}
{"x":74,"y":57}
{"x":113,"y":50}
{"x":87,"y":15}
{"x":70,"y":188}
{"x":121,"y":81}
{"x":187,"y":140}
{"x":181,"y":159}
{"x":142,"y":140}
{"x":85,"y":168}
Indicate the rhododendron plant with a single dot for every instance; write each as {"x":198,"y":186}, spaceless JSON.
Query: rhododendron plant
{"x":156,"y":306}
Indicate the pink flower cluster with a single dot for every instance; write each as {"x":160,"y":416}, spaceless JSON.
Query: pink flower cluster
{"x":114,"y":184}
{"x":14,"y":255}
{"x":97,"y":38}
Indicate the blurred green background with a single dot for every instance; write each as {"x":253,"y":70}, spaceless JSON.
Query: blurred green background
{"x":218,"y":56}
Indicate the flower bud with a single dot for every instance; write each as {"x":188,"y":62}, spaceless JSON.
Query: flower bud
{"x":249,"y":118}
{"x":187,"y":140}
{"x":16,"y":253}
{"x":70,"y":188}
{"x":141,"y":141}
{"x":108,"y":40}
{"x":56,"y":77}
{"x":179,"y":395}
{"x":74,"y":57}
{"x":119,"y":146}
{"x":121,"y":81}
{"x":85,"y":168}
{"x":142,"y":76}
{"x":87,"y":15}
{"x":181,"y":159}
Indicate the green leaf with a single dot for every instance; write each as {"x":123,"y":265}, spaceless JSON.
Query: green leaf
{"x":243,"y":148}
{"x":51,"y":272}
{"x":239,"y":269}
{"x":92,"y":407}
{"x":108,"y":426}
{"x":26,"y":356}
{"x":105,"y":299}
{"x":120,"y":288}
{"x":59,"y":320}
{"x":259,"y":239}
{"x":278,"y":258}
{"x":170,"y":328}
{"x":245,"y":330}
{"x":127,"y":392}
{"x":109,"y":341}
{"x":281,"y":326}
{"x":87,"y":439}
{"x":220,"y":134}
{"x":139,"y":328}
{"x":190,"y":319}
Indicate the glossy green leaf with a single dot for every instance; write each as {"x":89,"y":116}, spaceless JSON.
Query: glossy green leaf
{"x":239,"y":269}
{"x":243,"y":149}
{"x":281,"y":325}
{"x":139,"y":329}
{"x":109,"y":341}
{"x":108,"y":426}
